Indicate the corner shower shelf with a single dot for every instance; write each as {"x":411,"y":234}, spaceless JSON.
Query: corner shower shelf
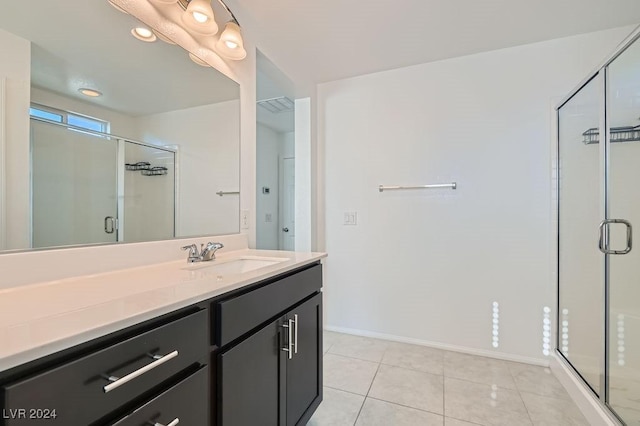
{"x":618,"y":134}
{"x":146,"y":169}
{"x":141,"y":165}
{"x":155,"y":171}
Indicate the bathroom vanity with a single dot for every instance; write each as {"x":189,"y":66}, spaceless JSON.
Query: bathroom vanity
{"x":237,"y":342}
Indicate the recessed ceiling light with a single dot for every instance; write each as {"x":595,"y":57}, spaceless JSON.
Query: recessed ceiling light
{"x":198,"y":61}
{"x":144,"y":34}
{"x":90,"y":92}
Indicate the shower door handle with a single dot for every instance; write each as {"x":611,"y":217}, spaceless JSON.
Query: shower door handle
{"x":604,"y":247}
{"x":109,"y":224}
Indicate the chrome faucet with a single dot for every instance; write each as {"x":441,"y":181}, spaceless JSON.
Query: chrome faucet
{"x":206,"y":254}
{"x":209,"y":252}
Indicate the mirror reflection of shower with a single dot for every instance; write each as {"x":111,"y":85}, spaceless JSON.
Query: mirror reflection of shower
{"x":275,"y":153}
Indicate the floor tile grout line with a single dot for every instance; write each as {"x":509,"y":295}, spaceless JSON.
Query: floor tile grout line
{"x":346,"y":391}
{"x":522,"y":399}
{"x":515,"y":381}
{"x":367,"y":395}
{"x":351,"y":357}
{"x":443,"y":394}
{"x":413,"y":369}
{"x":480,"y":383}
{"x":462,"y":420}
{"x":407,"y":406}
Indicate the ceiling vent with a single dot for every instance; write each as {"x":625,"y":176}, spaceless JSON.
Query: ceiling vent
{"x":277,"y":105}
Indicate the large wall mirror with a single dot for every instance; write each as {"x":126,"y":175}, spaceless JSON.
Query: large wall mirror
{"x":154,"y":156}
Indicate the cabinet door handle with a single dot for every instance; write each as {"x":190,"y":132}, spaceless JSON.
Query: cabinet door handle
{"x":119,"y":381}
{"x":289,"y":348}
{"x":173,"y":423}
{"x":295,"y":339}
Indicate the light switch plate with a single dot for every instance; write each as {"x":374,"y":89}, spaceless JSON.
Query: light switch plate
{"x":244,"y":219}
{"x":350,"y":218}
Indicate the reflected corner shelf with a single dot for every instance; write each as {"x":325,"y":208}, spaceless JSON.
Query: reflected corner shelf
{"x":618,"y":134}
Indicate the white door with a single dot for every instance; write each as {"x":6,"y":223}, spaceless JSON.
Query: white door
{"x":287,"y":204}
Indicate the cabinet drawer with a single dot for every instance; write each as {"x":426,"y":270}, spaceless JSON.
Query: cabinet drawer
{"x":240,"y":314}
{"x":77,"y":391}
{"x":185,"y":403}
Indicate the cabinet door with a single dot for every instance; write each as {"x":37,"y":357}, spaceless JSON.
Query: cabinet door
{"x":248,"y":383}
{"x":304,"y":369}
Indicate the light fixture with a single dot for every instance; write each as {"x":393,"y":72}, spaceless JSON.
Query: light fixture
{"x":199,"y":21}
{"x":199,"y":17}
{"x":163,"y":37}
{"x":198,"y":61}
{"x":143,"y":34}
{"x":90,"y":92}
{"x":230,"y":45}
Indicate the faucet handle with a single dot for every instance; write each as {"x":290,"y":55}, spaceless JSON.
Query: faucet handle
{"x":214,"y":246}
{"x":209,"y":252}
{"x":193,"y":249}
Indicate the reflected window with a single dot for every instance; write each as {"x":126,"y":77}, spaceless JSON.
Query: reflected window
{"x":45,"y":115}
{"x":76,"y":120}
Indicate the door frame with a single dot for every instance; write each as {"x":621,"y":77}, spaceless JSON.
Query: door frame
{"x":281,"y":190}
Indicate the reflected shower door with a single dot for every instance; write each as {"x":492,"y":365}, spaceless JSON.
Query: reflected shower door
{"x":74,"y":184}
{"x":624,"y":203}
{"x":581,"y":265}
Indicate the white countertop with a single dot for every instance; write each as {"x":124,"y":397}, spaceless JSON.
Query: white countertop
{"x":40,"y":319}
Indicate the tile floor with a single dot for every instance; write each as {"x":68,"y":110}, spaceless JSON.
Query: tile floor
{"x":375,"y":382}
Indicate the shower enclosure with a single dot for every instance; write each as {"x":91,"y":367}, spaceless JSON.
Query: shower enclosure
{"x":90,"y":187}
{"x":598,"y":154}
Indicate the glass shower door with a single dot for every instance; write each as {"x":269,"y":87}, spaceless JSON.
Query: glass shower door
{"x":74,"y":184}
{"x":624,"y":204}
{"x":581,"y":265}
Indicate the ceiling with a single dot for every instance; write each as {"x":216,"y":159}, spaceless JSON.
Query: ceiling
{"x":88,"y":44}
{"x":315,"y":41}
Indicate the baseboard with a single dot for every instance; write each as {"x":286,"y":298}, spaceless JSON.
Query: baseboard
{"x":591,"y":408}
{"x":463,"y":349}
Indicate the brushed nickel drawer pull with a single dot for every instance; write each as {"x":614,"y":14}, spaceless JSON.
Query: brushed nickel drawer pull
{"x":289,"y":348}
{"x":119,"y":381}
{"x":173,"y":423}
{"x":295,"y":339}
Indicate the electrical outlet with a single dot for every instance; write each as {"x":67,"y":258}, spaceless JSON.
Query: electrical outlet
{"x":244,"y":219}
{"x":350,"y":218}
{"x":267,"y":218}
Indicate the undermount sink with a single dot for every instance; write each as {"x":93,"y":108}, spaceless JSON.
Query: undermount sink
{"x":235,"y":266}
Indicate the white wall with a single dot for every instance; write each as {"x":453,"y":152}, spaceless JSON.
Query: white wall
{"x":209,"y":161}
{"x":427,"y":265}
{"x":15,"y":71}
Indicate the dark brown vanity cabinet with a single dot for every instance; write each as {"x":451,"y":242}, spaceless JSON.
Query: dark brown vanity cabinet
{"x":92,"y":388}
{"x":249,"y":357}
{"x":273,"y":375}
